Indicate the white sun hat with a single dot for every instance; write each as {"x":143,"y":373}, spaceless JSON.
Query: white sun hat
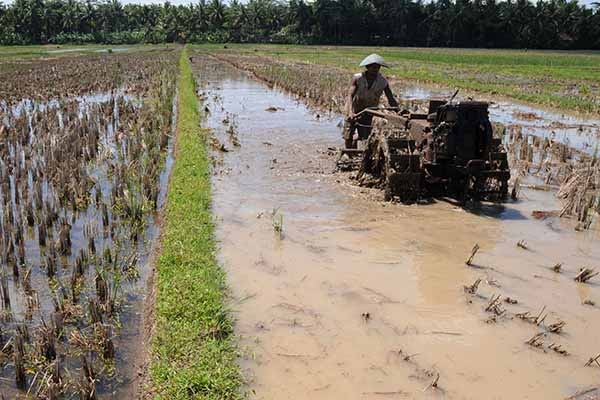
{"x":374,"y":59}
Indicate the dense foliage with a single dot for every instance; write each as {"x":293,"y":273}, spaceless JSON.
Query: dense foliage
{"x":551,"y":24}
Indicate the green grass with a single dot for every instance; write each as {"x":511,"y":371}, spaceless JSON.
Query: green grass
{"x":8,"y":53}
{"x":560,"y":79}
{"x":193,"y":351}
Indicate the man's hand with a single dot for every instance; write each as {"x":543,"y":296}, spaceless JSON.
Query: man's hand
{"x":351,"y":117}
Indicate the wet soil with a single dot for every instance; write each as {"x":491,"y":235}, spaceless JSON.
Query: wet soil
{"x":338,"y":294}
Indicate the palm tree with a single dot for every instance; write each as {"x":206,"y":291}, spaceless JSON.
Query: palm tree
{"x":216,"y":14}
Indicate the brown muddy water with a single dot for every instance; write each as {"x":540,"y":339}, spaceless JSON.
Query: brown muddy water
{"x":338,"y":294}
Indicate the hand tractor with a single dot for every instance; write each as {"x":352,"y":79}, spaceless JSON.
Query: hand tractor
{"x":448,"y":152}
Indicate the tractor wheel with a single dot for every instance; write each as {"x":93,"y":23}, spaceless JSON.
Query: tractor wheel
{"x":391,"y":169}
{"x":464,"y":189}
{"x":376,"y":159}
{"x":387,"y":194}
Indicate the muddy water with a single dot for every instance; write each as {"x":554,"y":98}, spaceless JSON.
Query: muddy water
{"x":330,"y":308}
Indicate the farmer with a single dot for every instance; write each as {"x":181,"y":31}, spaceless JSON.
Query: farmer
{"x":364,"y":92}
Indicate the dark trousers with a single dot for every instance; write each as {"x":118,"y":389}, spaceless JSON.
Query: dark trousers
{"x":361,"y":125}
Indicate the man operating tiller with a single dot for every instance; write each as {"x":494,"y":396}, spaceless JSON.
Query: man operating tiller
{"x":365,"y":92}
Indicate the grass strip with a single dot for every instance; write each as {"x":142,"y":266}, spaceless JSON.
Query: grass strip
{"x":193,"y":352}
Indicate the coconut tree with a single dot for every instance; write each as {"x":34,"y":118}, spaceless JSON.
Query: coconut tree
{"x":216,"y":14}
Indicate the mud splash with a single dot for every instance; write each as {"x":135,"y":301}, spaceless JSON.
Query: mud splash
{"x":338,"y":295}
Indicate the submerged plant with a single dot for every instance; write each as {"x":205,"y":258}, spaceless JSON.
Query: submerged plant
{"x":277,"y":222}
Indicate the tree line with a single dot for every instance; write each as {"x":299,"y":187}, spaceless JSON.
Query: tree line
{"x":547,"y":24}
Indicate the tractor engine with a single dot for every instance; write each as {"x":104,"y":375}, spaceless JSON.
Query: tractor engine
{"x":450,"y":151}
{"x":461,"y":132}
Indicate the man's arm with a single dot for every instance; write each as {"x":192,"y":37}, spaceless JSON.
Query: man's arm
{"x":390,"y":96}
{"x":349,"y":96}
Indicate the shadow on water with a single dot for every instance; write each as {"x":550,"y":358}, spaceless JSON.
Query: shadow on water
{"x":499,"y":211}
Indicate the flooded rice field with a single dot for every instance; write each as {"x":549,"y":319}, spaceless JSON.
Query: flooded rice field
{"x":82,"y":176}
{"x":550,"y":150}
{"x":338,"y":294}
{"x":42,"y":79}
